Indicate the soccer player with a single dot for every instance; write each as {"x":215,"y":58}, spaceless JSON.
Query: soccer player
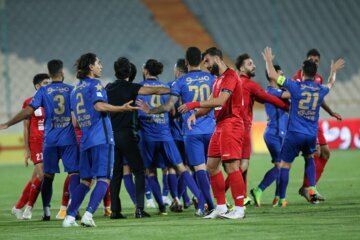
{"x":320,"y":158}
{"x":59,"y":133}
{"x":156,"y":140}
{"x":273,"y":136}
{"x":191,"y":87}
{"x":306,"y":99}
{"x":90,"y":108}
{"x":252,"y":91}
{"x":34,"y":139}
{"x":124,"y":124}
{"x":226,"y":143}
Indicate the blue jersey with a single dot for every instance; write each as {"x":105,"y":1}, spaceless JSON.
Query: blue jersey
{"x":306,"y":99}
{"x":55,"y":99}
{"x":154,"y":127}
{"x":175,"y":121}
{"x":95,"y":126}
{"x":277,"y":118}
{"x":193,"y":87}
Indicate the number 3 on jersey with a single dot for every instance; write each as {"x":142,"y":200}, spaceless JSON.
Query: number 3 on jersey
{"x":60,"y":108}
{"x":204,"y":91}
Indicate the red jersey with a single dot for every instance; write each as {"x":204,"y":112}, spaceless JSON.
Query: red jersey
{"x":232,"y":110}
{"x":36,"y":131}
{"x":298,"y":77}
{"x":252,"y":91}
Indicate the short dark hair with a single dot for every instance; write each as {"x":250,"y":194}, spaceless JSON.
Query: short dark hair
{"x":213,"y":51}
{"x":133,"y":72}
{"x":122,"y":68}
{"x":82,"y":65}
{"x":313,"y":52}
{"x":193,"y":56}
{"x":154,"y":67}
{"x":277,"y":68}
{"x":309,"y":68}
{"x":240,"y":60}
{"x":38,"y":78}
{"x":181,"y":66}
{"x":55,"y":67}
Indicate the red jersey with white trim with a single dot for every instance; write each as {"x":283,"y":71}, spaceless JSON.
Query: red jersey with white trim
{"x":36,"y":131}
{"x":298,"y":77}
{"x":232,"y":110}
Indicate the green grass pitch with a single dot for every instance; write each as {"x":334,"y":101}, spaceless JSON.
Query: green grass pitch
{"x":337,"y":218}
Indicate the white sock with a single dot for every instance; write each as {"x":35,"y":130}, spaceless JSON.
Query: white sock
{"x":47,"y":211}
{"x":239,"y":209}
{"x":222,"y":207}
{"x":88,"y":214}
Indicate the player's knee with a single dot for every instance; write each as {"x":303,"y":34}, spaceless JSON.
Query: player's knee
{"x":181,"y":168}
{"x":49,"y":175}
{"x":200,"y":167}
{"x":172,"y":170}
{"x":87,"y":181}
{"x":103,"y":179}
{"x":244,"y":165}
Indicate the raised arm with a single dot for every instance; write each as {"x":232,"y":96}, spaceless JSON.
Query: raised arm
{"x":166,"y":107}
{"x":105,"y":107}
{"x":23,"y":114}
{"x":268,"y":57}
{"x":338,"y":65}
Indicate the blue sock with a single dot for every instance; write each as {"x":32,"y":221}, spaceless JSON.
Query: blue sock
{"x":147,"y":188}
{"x":204,"y":185}
{"x":74,"y":181}
{"x":310,"y":171}
{"x":130,"y":187}
{"x":46,"y":190}
{"x":79,"y":195}
{"x":165,"y":182}
{"x":269,"y":178}
{"x":277,"y":189}
{"x":173,"y":185}
{"x":284,"y":180}
{"x":186,"y":197}
{"x":97,"y":196}
{"x":193,"y":188}
{"x":181,"y":186}
{"x":156,"y":190}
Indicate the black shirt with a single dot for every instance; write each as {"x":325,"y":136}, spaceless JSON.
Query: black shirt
{"x":120,"y":92}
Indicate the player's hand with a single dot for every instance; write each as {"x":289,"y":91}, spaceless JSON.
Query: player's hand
{"x":27,"y":157}
{"x":337,"y":65}
{"x":128,"y":107}
{"x":173,"y":111}
{"x":188,"y":106}
{"x":337,"y":116}
{"x":267,"y":54}
{"x":3,"y":126}
{"x":143,"y":106}
{"x":191,"y":121}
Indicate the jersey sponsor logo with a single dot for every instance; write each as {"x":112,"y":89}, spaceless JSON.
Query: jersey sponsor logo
{"x":226,"y":155}
{"x":190,"y":80}
{"x":99,"y":94}
{"x":303,"y":86}
{"x":50,"y":90}
{"x":38,"y":112}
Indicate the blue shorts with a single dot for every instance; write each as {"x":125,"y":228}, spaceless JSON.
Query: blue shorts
{"x":273,"y":143}
{"x":196,"y":147}
{"x":295,"y":142}
{"x":69,"y":155}
{"x":97,"y":161}
{"x":153,"y":151}
{"x":125,"y":161}
{"x":181,"y":147}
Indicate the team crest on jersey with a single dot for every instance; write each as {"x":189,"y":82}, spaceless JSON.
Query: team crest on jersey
{"x":98,"y":87}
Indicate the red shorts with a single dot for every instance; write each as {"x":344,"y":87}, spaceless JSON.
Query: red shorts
{"x":226,"y":141}
{"x":36,"y":149}
{"x":321,"y":137}
{"x":246,"y":144}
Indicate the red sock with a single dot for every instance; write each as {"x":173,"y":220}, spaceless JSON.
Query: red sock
{"x":218,"y":187}
{"x":107,"y":199}
{"x":244,"y":177}
{"x":227,"y":184}
{"x":237,"y":187}
{"x":34,"y":191}
{"x":320,"y":165}
{"x":24,"y":197}
{"x":66,"y":193}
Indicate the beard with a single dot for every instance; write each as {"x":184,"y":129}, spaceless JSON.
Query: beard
{"x":214,"y":70}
